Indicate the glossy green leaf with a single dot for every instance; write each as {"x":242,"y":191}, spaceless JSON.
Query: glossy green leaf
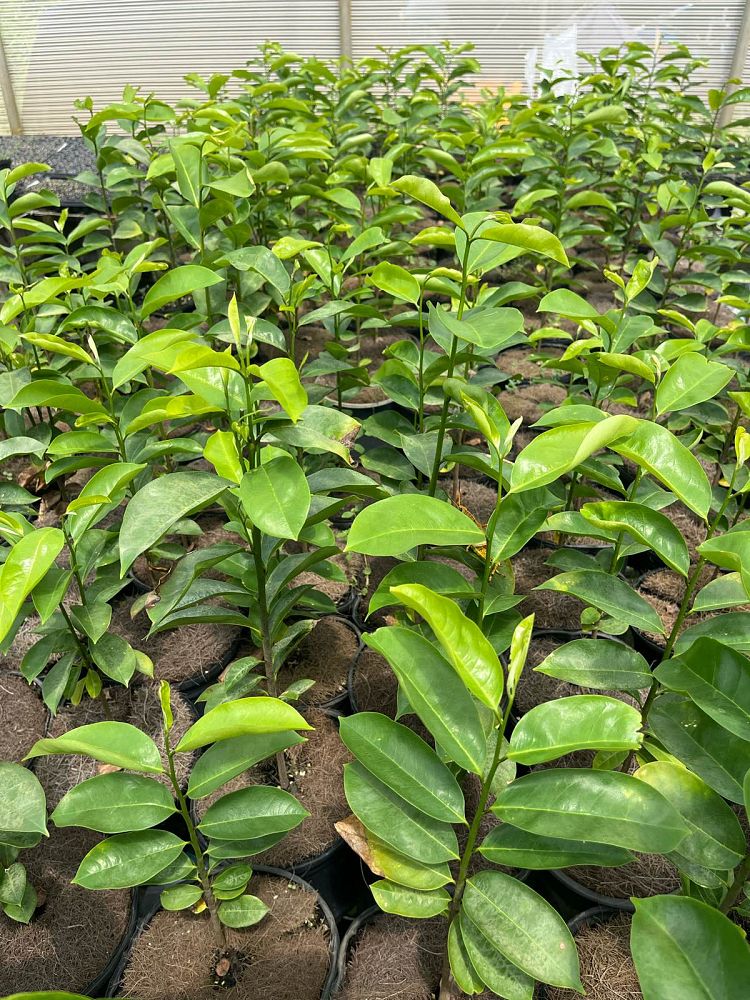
{"x":128,"y":859}
{"x":115,"y":803}
{"x":435,"y":692}
{"x":116,"y":743}
{"x":283,"y":381}
{"x":602,"y":664}
{"x":609,"y":594}
{"x":231,"y":757}
{"x":532,"y":239}
{"x":405,"y":763}
{"x":428,"y":193}
{"x":463,"y":971}
{"x":180,"y":897}
{"x":659,"y":452}
{"x":580,"y":722}
{"x":396,"y":867}
{"x":606,"y":807}
{"x":441,"y":578}
{"x":393,"y":898}
{"x":394,"y":821}
{"x":465,"y":646}
{"x":25,"y":566}
{"x":566,"y":303}
{"x":715,"y":839}
{"x":692,"y":379}
{"x":177,"y":283}
{"x":515,"y":848}
{"x":242,"y":912}
{"x":252,"y":812}
{"x":221,"y":451}
{"x":523,"y":927}
{"x":701,"y":744}
{"x":402,"y":522}
{"x":717,"y":678}
{"x":559,"y":450}
{"x":645,"y":525}
{"x":730,"y":551}
{"x":159,"y":505}
{"x":684,"y":949}
{"x":495,"y":970}
{"x":276,"y":497}
{"x":243,"y":717}
{"x":732,"y":628}
{"x":395,"y":281}
{"x":23,"y":808}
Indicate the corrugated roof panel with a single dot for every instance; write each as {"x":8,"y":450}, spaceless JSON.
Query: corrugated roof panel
{"x":60,"y":50}
{"x":505,"y":31}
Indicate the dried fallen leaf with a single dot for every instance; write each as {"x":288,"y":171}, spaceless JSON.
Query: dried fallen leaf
{"x":352,"y":831}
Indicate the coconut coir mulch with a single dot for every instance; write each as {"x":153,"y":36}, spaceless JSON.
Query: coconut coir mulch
{"x":324,"y":656}
{"x":23,"y":717}
{"x":285,"y":957}
{"x":73,"y":933}
{"x":607,"y":969}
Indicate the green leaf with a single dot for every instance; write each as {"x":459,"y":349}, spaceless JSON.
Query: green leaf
{"x":523,"y":927}
{"x":717,"y":678}
{"x":243,"y":717}
{"x":436,"y":693}
{"x":658,"y":451}
{"x":715,"y":839}
{"x":180,"y":897}
{"x":242,"y":912}
{"x":684,"y":949}
{"x":159,"y":505}
{"x":252,"y":812}
{"x":532,"y":239}
{"x":730,"y":551}
{"x":405,"y":763}
{"x":396,"y":867}
{"x":462,"y":969}
{"x":407,"y":902}
{"x":402,"y":522}
{"x":566,"y":303}
{"x":23,"y":808}
{"x":648,"y":526}
{"x":116,"y":743}
{"x":609,"y":594}
{"x":468,"y":651}
{"x":580,"y":722}
{"x":428,"y":193}
{"x":177,"y":283}
{"x":220,"y":450}
{"x":283,"y":381}
{"x":441,"y":578}
{"x":606,"y":807}
{"x":395,"y":281}
{"x":25,"y":566}
{"x":519,"y":517}
{"x":602,"y":664}
{"x":128,"y":859}
{"x":692,"y":379}
{"x":494,"y":969}
{"x":732,"y":628}
{"x":394,"y":821}
{"x":231,"y":757}
{"x":701,"y":744}
{"x":559,"y":450}
{"x":115,"y":803}
{"x":514,"y":848}
{"x":187,"y":161}
{"x":276,"y":497}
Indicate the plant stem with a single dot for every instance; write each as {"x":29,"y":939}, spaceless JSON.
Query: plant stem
{"x":741,"y":874}
{"x":205,"y":881}
{"x":260,"y":572}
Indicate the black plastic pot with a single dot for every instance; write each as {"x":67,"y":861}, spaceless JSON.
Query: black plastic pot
{"x":193,"y":686}
{"x":340,"y":703}
{"x":580,"y":895}
{"x":346,"y":942}
{"x":150,"y":906}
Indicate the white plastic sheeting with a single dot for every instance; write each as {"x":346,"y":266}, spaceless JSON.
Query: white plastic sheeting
{"x":59,"y":50}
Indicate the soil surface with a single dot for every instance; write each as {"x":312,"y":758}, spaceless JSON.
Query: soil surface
{"x":393,"y":958}
{"x":323,"y":656}
{"x":374,"y":684}
{"x":315,"y":773}
{"x":285,"y":957}
{"x":531,"y":401}
{"x":648,"y":875}
{"x":551,"y":609}
{"x":74,"y":932}
{"x":23,"y":717}
{"x":138,"y":706}
{"x":607,"y":970}
{"x":188,"y":653}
